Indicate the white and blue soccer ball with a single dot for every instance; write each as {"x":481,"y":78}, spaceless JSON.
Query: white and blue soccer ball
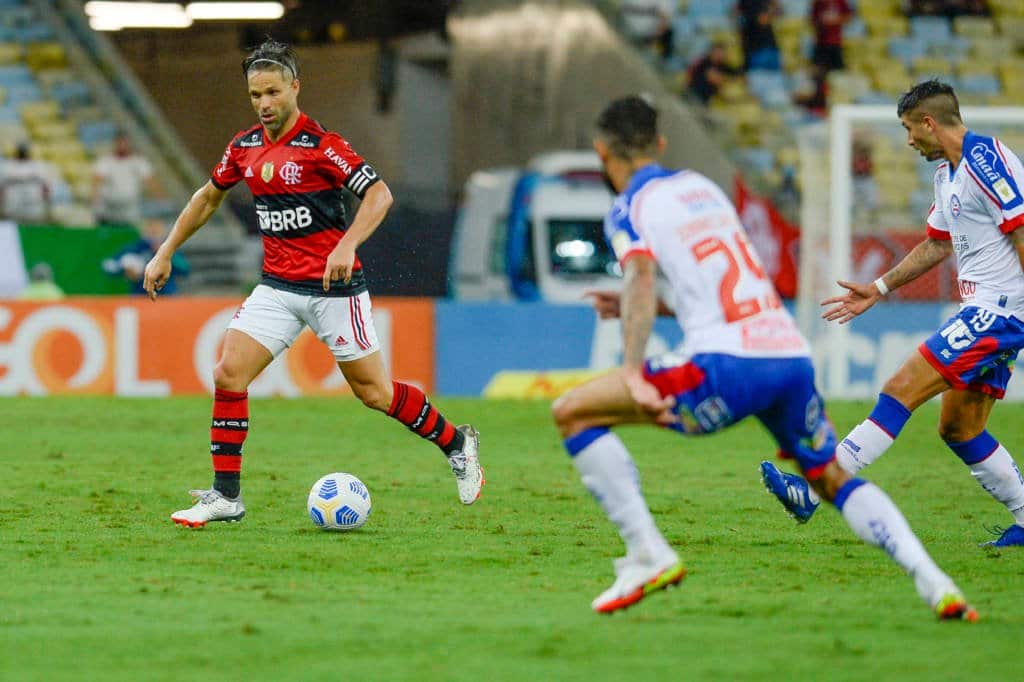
{"x":339,"y":502}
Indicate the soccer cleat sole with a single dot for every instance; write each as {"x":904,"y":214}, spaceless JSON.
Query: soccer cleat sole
{"x":668,"y":578}
{"x":784,"y":508}
{"x":185,"y":523}
{"x":956,"y":609}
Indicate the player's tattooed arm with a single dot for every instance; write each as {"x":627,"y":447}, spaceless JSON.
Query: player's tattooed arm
{"x":639,"y":306}
{"x":920,"y":260}
{"x":858,"y":298}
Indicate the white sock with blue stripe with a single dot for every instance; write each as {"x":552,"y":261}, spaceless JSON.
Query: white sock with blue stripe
{"x":612,"y":478}
{"x":877,"y":521}
{"x":872,"y":437}
{"x":994,"y":469}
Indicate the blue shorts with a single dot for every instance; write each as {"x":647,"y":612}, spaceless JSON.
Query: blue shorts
{"x":975,"y":350}
{"x":714,"y":390}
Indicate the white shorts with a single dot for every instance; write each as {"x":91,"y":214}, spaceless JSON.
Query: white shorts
{"x":275,"y":318}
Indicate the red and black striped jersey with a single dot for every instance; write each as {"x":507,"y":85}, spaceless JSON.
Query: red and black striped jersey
{"x":297,"y":184}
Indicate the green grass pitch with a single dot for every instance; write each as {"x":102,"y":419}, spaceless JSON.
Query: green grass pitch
{"x":97,"y":584}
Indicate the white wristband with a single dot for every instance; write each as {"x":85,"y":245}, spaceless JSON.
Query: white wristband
{"x":880,"y":284}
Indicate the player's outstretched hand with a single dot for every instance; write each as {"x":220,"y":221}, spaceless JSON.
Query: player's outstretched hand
{"x":339,"y":265}
{"x":606,"y":303}
{"x":158,"y":271}
{"x":649,"y":399}
{"x":857,"y":299}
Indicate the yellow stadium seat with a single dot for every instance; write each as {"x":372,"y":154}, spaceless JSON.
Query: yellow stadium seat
{"x":35,"y":112}
{"x":974,"y":27}
{"x":887,"y":25}
{"x":893,"y":81}
{"x":932,"y":66}
{"x":53,"y":132}
{"x":1012,"y":27}
{"x":45,"y":56}
{"x":10,"y":53}
{"x":63,"y":151}
{"x":993,"y":49}
{"x":975,"y":67}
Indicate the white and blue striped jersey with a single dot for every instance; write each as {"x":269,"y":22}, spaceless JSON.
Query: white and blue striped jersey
{"x":722,"y":298}
{"x":977,"y":205}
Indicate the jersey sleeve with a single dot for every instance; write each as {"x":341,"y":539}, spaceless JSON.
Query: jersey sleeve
{"x":937,"y":228}
{"x":998,"y":172}
{"x":622,"y":236}
{"x":345,"y":167}
{"x":226,"y":174}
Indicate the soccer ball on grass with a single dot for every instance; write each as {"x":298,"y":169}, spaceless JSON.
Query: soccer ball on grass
{"x":339,"y":502}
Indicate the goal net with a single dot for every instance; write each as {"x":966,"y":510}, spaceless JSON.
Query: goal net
{"x":865,"y":197}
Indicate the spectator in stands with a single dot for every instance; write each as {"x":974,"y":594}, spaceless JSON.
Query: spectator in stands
{"x":41,"y":286}
{"x":811,"y":92}
{"x":828,"y":18}
{"x":865,"y":190}
{"x":119,"y":182}
{"x":26,"y":185}
{"x":946,"y":8}
{"x":130,"y":262}
{"x":760,"y":49}
{"x":648,"y":23}
{"x":710,"y":71}
{"x":965,"y":8}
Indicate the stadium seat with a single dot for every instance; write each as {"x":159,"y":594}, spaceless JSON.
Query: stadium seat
{"x":10,"y":53}
{"x":931,"y":30}
{"x":18,"y":95}
{"x":1012,"y":28}
{"x":994,"y":49}
{"x":93,"y":133}
{"x":710,"y":8}
{"x":932,"y":66}
{"x":45,"y":56}
{"x":40,"y":111}
{"x":980,"y":84}
{"x":15,"y":74}
{"x":974,"y":27}
{"x":907,"y":49}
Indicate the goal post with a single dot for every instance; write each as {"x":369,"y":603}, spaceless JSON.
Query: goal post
{"x":844,"y":238}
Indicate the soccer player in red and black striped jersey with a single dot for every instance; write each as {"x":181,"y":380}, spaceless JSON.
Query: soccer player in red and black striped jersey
{"x":297,"y":172}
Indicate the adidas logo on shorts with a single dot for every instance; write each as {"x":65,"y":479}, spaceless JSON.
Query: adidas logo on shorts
{"x":340,"y":341}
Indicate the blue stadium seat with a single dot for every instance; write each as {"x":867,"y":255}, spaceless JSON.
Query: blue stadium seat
{"x":768,"y":86}
{"x":9,"y":114}
{"x":758,"y":159}
{"x":23,"y":94}
{"x":980,"y":84}
{"x":15,"y":75}
{"x":796,"y":8}
{"x":874,"y":97}
{"x":932,"y":30}
{"x":75,"y":93}
{"x":855,"y":28}
{"x":93,"y":133}
{"x":711,"y":8}
{"x":7,"y":4}
{"x":36,"y":33}
{"x":907,"y":49}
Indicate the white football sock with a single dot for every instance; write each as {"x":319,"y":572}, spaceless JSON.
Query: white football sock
{"x":612,"y":478}
{"x":877,"y":521}
{"x":866,"y":443}
{"x":999,"y":476}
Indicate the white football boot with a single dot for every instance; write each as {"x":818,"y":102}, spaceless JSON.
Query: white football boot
{"x":636,"y":577}
{"x":209,"y":505}
{"x":469,"y":475}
